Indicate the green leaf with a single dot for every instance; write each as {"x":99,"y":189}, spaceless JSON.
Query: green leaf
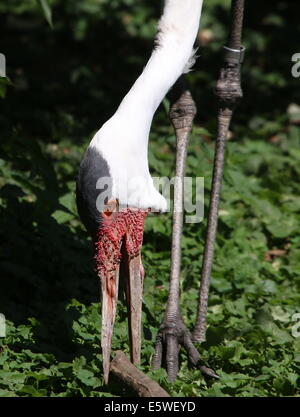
{"x":32,"y":391}
{"x":279,"y":314}
{"x":47,"y":11}
{"x":68,"y":201}
{"x":88,"y":378}
{"x":62,"y":216}
{"x":4,"y":83}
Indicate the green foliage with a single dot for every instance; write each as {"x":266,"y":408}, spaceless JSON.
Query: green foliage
{"x":47,"y":11}
{"x":65,"y":81}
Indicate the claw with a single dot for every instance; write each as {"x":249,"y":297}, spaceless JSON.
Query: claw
{"x":208,"y":372}
{"x":157,"y":358}
{"x":169,"y":338}
{"x":172,"y":357}
{"x":167,"y":347}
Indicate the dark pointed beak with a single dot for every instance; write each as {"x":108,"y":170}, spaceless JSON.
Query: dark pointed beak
{"x":134,"y":279}
{"x":118,"y":252}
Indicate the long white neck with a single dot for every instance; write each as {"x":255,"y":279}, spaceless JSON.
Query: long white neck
{"x":123,"y":139}
{"x":177,"y":31}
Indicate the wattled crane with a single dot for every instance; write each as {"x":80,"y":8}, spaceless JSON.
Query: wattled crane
{"x":115,"y":190}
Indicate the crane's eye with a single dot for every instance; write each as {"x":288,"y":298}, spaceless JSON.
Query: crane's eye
{"x":110,"y":208}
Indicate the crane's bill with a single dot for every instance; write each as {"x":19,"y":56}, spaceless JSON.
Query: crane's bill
{"x":134,"y":296}
{"x":109,"y":287}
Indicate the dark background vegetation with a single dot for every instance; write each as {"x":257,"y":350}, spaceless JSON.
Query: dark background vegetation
{"x":69,"y":63}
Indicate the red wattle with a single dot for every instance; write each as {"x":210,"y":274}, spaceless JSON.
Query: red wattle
{"x":125,"y":227}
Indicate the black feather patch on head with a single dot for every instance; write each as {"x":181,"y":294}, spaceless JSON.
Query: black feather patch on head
{"x":91,"y":184}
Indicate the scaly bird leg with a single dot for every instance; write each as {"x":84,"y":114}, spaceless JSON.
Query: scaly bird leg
{"x":173,"y":332}
{"x":228,"y":93}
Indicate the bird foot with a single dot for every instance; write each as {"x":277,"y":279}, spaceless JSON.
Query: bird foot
{"x":170,"y":336}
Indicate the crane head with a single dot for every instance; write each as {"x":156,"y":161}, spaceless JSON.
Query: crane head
{"x":117,"y":233}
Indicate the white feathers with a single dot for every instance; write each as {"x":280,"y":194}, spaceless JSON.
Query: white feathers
{"x":191,"y":62}
{"x":123,"y":139}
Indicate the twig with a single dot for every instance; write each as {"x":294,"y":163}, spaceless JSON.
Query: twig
{"x":135,"y":379}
